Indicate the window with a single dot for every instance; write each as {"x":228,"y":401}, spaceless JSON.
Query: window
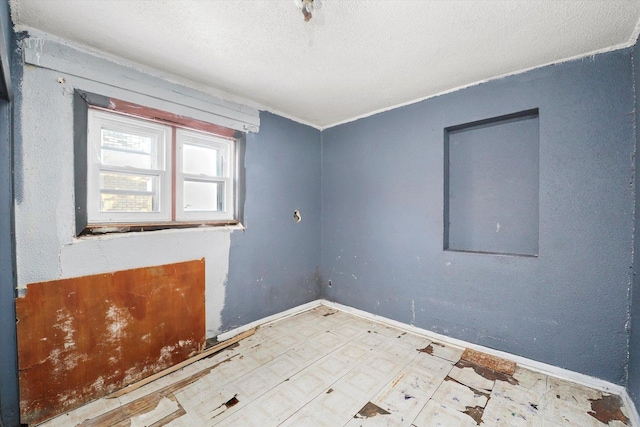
{"x":148,"y":172}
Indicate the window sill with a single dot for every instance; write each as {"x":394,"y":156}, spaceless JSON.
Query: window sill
{"x":102,"y":229}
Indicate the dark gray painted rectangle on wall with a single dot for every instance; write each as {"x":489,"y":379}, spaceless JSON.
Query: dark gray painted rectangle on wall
{"x":382,"y":233}
{"x":491,"y":185}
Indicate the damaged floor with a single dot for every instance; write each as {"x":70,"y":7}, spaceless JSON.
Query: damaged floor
{"x":328,"y":368}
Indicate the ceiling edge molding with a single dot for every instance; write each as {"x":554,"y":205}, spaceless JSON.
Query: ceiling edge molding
{"x":479,"y":82}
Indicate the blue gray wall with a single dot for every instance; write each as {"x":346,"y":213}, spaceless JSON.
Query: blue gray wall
{"x":371,"y":197}
{"x":634,"y":341}
{"x":9,"y":406}
{"x":382,"y":222}
{"x":274,"y":264}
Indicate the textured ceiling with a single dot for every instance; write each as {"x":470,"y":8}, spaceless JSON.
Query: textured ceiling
{"x":354,"y":57}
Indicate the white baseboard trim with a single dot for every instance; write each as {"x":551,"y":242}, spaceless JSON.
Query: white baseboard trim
{"x":628,"y":402}
{"x":522,"y":361}
{"x":534,"y":365}
{"x":270,"y":319}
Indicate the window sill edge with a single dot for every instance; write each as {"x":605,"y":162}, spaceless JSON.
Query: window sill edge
{"x":109,"y":229}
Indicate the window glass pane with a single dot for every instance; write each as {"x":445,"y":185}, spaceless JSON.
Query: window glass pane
{"x":125,"y":181}
{"x":199,"y":160}
{"x":127,"y":149}
{"x":203,"y":196}
{"x":126,"y":203}
{"x":121,"y":192}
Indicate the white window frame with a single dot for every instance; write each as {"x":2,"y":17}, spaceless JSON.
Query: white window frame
{"x":226,"y":148}
{"x":170,"y":141}
{"x":162,"y":135}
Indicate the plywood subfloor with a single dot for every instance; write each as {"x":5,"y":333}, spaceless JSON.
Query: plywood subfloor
{"x":327,"y":368}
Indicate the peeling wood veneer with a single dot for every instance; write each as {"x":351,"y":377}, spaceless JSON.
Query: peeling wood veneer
{"x":148,"y":402}
{"x":488,"y":361}
{"x":607,"y":409}
{"x":82,"y":338}
{"x":228,"y":344}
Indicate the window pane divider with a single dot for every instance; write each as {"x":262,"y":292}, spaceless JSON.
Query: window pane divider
{"x":129,"y":192}
{"x":124,"y":150}
{"x":204,"y":178}
{"x":131,"y":170}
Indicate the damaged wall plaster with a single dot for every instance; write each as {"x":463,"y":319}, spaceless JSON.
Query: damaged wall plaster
{"x":382,"y":230}
{"x":45,"y":246}
{"x":269,"y":268}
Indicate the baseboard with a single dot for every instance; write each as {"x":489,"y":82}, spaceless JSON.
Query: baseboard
{"x":628,"y":402}
{"x":534,"y":365}
{"x":278,"y":316}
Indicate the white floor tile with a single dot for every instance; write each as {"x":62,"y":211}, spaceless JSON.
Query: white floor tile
{"x":324,"y":367}
{"x":437,"y":415}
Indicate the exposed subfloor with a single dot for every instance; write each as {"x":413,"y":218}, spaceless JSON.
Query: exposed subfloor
{"x":328,"y":368}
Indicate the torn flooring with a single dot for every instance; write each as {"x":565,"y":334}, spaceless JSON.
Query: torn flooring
{"x":315,"y":369}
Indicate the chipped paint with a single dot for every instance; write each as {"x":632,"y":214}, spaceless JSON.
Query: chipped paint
{"x":117,"y":319}
{"x":64,"y":321}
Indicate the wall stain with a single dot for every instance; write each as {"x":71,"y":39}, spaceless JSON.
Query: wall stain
{"x":607,"y":409}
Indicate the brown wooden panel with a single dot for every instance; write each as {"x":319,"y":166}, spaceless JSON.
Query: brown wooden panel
{"x":82,"y":338}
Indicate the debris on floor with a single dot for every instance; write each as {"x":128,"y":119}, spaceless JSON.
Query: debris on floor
{"x":341,"y":370}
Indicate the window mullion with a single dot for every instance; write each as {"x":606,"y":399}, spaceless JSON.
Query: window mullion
{"x":174,"y":168}
{"x":203,"y":178}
